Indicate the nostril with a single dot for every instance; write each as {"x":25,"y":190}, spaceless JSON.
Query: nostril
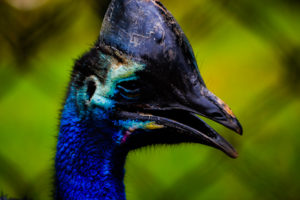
{"x":91,"y":88}
{"x":217,"y":115}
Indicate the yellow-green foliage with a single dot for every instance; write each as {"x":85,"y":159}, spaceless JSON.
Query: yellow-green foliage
{"x":248,"y":54}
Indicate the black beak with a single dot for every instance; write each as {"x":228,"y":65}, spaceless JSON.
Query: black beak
{"x":181,"y":126}
{"x":205,"y":103}
{"x":184,"y":125}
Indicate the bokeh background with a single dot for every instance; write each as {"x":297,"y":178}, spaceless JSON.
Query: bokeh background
{"x":248,"y":52}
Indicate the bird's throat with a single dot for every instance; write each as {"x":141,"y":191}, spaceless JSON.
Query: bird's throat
{"x":88,"y":164}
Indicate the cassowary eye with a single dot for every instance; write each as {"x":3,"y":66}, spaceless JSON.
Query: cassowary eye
{"x":129,"y":86}
{"x":129,"y":89}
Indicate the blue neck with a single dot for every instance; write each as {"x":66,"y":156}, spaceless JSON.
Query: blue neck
{"x":88,"y":163}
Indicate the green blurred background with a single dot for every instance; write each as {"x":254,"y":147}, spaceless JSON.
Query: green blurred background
{"x":248,"y":52}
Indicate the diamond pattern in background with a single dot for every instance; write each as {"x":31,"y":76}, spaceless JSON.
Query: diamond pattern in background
{"x":248,"y":54}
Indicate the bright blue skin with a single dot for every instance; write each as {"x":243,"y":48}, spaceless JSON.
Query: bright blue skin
{"x":89,"y":160}
{"x":88,"y":164}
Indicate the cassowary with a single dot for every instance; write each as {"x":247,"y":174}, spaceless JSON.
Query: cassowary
{"x":139,"y":85}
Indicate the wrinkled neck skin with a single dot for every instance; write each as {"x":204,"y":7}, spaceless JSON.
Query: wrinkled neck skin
{"x":88,"y":163}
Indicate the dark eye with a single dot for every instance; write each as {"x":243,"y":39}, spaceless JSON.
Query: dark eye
{"x":131,"y":86}
{"x":129,"y":89}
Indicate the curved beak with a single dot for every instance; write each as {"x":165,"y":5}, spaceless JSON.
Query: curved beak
{"x":181,"y":118}
{"x":205,"y":103}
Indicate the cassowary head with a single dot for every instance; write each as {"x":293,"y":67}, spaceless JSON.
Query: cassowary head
{"x":142,"y":81}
